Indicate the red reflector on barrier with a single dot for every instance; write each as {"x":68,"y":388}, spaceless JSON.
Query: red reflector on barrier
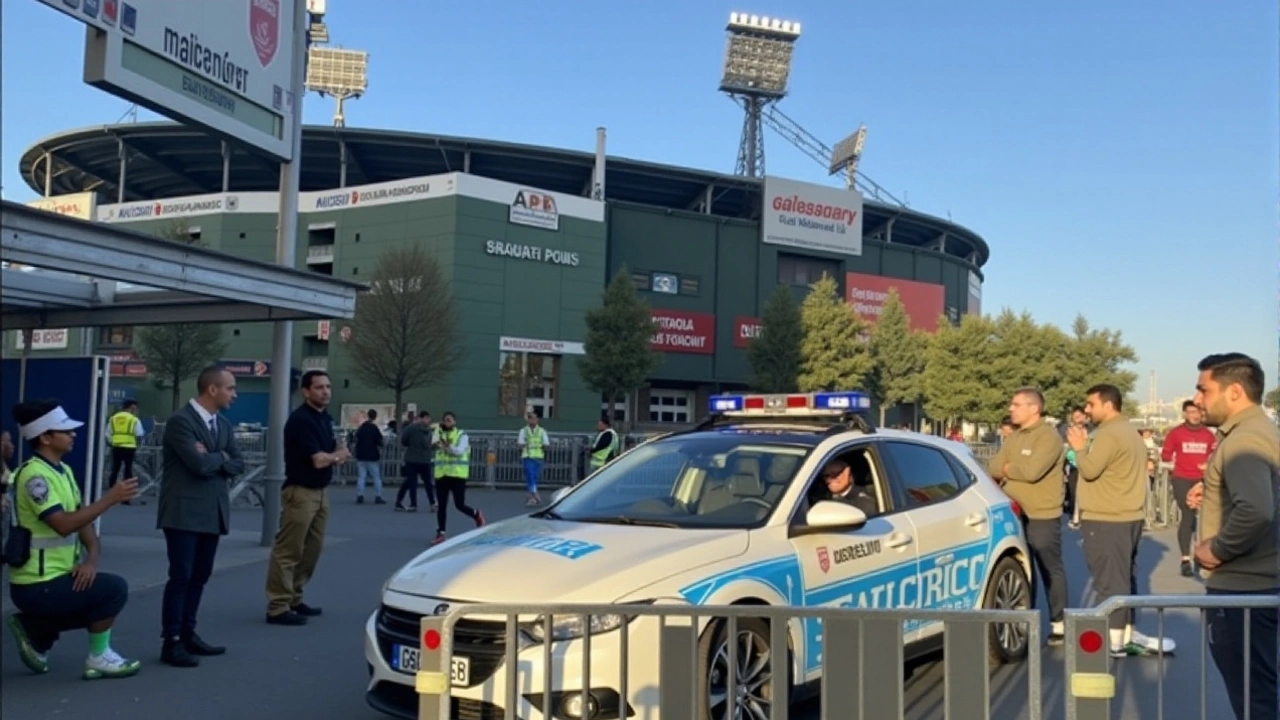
{"x":431,"y":639}
{"x":797,"y":401}
{"x":1090,"y":641}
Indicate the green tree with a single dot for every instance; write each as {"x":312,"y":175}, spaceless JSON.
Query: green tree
{"x":774,"y":356}
{"x":619,"y":343}
{"x":1272,"y":399}
{"x":404,"y":333}
{"x":177,"y":352}
{"x":1028,"y":355}
{"x":834,"y":354}
{"x":959,"y":379}
{"x":898,"y":356}
{"x":1091,"y":356}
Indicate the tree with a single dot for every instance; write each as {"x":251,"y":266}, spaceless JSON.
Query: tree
{"x":834,"y":353}
{"x":959,"y":379}
{"x":619,"y":353}
{"x":1272,"y":399}
{"x":897,"y":354}
{"x":774,"y":356}
{"x":178,"y":351}
{"x":404,"y":333}
{"x":1090,"y":356}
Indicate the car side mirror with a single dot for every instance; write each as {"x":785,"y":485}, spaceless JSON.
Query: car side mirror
{"x":830,"y":516}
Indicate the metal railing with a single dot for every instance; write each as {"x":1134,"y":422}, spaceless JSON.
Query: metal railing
{"x":1090,"y":681}
{"x":659,"y":665}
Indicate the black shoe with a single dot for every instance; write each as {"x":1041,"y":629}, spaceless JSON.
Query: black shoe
{"x":288,"y":617}
{"x":379,"y":501}
{"x":175,"y":653}
{"x":306,"y":610}
{"x":197,"y":646}
{"x":1187,"y":570}
{"x":359,"y":499}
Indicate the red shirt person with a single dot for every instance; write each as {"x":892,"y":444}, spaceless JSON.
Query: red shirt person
{"x":1188,"y":446}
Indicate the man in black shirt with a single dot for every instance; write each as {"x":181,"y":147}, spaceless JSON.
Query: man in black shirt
{"x":310,"y":452}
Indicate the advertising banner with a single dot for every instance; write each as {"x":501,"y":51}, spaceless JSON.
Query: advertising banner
{"x":77,"y":205}
{"x":544,"y":347}
{"x":676,"y":331}
{"x":812,"y":217}
{"x":47,"y":339}
{"x":975,"y":294}
{"x":923,"y":301}
{"x":745,"y":329}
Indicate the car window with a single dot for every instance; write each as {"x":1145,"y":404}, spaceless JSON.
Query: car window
{"x":924,"y":474}
{"x":731,"y":480}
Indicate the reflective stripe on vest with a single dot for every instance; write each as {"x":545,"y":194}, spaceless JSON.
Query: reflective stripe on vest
{"x":600,"y":457}
{"x":49,"y":543}
{"x":447,"y":464}
{"x":533,"y":443}
{"x":123,"y":430}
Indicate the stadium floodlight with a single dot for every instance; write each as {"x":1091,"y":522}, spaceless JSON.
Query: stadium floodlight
{"x":846,"y":154}
{"x":757,"y":65}
{"x":344,"y":74}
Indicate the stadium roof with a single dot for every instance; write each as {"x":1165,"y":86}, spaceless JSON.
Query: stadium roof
{"x":171,"y":160}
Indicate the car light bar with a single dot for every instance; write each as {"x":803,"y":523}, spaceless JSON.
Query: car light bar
{"x":821,"y":403}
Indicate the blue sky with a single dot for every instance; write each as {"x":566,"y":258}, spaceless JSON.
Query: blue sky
{"x":1119,"y":156}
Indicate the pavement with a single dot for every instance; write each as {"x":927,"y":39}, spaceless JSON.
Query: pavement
{"x":318,"y":671}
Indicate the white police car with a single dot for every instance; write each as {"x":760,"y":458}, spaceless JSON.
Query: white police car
{"x":731,"y":512}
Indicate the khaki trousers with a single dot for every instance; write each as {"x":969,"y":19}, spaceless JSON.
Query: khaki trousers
{"x":304,"y":513}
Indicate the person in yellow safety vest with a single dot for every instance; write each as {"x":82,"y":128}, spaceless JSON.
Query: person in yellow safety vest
{"x":453,"y":466}
{"x":606,"y":446}
{"x":53,"y":551}
{"x":6,"y":454}
{"x":125,"y":432}
{"x":533,"y":442}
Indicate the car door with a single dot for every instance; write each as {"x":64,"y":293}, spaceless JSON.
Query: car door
{"x":870,"y":566}
{"x":952,"y":525}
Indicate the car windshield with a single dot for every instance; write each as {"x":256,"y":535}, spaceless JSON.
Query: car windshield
{"x":725,"y":480}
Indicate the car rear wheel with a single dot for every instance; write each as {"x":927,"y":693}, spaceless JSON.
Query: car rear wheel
{"x":1008,"y":589}
{"x":753,"y":669}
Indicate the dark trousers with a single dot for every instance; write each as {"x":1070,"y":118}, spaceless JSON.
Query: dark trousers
{"x":1045,"y":539}
{"x":1187,"y":519}
{"x":1073,"y":481}
{"x":48,"y":609}
{"x":1111,"y":554}
{"x":1227,"y":645}
{"x":191,"y":556}
{"x":121,"y":458}
{"x":412,"y":472}
{"x":458,"y":488}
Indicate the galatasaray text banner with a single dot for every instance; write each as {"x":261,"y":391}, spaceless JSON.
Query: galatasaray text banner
{"x":813,"y":217}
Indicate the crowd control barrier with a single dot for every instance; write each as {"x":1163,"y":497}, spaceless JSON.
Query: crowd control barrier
{"x":659,"y":646}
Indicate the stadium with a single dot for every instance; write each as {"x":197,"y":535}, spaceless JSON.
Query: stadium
{"x":528,"y":237}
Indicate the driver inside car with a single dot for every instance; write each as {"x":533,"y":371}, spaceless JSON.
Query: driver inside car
{"x":841,"y":485}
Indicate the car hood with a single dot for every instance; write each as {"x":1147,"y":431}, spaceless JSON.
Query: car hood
{"x":537,"y":560}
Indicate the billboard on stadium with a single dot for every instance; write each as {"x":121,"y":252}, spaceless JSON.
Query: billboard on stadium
{"x":922,"y":301}
{"x":812,"y":217}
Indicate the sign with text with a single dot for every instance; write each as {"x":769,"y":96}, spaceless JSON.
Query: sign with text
{"x":922,"y":301}
{"x":975,"y":294}
{"x":246,"y":368}
{"x":535,"y":209}
{"x":545,"y":347}
{"x":676,"y":331}
{"x":531,"y":252}
{"x":50,"y":339}
{"x":745,"y":329}
{"x":77,"y":205}
{"x":813,"y":217}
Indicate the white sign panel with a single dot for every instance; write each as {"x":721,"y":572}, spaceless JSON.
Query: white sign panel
{"x":535,"y":209}
{"x":43,"y":339}
{"x":225,"y":65}
{"x":548,"y":347}
{"x":189,"y":206}
{"x":813,"y":217}
{"x":77,"y":205}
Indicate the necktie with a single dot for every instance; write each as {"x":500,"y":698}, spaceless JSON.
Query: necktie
{"x":213,"y":426}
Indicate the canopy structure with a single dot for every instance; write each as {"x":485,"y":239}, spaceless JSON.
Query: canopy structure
{"x":177,"y":283}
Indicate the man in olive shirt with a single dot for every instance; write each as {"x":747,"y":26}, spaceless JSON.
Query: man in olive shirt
{"x":1238,"y":528}
{"x":1112,"y":504}
{"x":1029,"y":468}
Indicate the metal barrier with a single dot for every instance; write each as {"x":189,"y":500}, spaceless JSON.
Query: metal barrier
{"x":1162,"y":509}
{"x":660,"y":657}
{"x":1090,"y":683}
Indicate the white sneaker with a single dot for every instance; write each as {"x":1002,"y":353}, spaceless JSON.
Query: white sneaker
{"x":110,"y":665}
{"x":1057,"y":633}
{"x":1151,"y":644}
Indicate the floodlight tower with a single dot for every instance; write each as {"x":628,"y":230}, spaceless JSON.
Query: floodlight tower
{"x":344,"y":74}
{"x":757,"y":64}
{"x":845,"y":156}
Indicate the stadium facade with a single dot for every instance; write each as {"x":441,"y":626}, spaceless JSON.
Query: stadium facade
{"x":527,"y":248}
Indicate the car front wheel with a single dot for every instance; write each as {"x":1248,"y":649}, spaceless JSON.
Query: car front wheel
{"x":753,"y":669}
{"x":1008,"y":589}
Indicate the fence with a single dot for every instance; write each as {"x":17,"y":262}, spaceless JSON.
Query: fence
{"x":862,"y":649}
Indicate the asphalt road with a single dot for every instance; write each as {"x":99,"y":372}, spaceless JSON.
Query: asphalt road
{"x":318,"y":671}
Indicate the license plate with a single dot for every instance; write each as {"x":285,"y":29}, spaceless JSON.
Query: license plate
{"x":404,"y":658}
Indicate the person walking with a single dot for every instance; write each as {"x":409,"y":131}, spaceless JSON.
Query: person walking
{"x":1112,"y":507}
{"x":1188,"y":446}
{"x":369,"y":442}
{"x":1029,"y":468}
{"x":200,"y":456}
{"x":453,"y":467}
{"x":1078,"y":418}
{"x":416,"y":438}
{"x":1239,"y":529}
{"x":532,"y":441}
{"x":310,"y":453}
{"x":125,"y":433}
{"x":54,"y":580}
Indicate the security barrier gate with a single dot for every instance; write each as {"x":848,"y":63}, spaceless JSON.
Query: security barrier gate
{"x":653,"y":662}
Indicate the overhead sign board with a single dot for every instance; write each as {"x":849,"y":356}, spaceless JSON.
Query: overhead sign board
{"x":813,"y":217}
{"x":77,"y":205}
{"x":224,"y":65}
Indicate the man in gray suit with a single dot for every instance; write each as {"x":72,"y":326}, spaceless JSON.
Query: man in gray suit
{"x":200,"y":456}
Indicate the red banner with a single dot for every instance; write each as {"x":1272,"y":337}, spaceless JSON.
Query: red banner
{"x":745,"y":329}
{"x":676,"y":331}
{"x":922,"y":301}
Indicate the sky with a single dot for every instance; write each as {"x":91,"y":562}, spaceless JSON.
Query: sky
{"x":1120,"y":157}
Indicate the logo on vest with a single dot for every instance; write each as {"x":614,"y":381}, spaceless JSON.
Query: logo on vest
{"x":38,"y":490}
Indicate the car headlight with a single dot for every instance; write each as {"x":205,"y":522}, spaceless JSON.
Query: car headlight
{"x":572,"y":627}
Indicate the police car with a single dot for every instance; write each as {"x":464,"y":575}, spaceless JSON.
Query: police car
{"x":734,"y":511}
